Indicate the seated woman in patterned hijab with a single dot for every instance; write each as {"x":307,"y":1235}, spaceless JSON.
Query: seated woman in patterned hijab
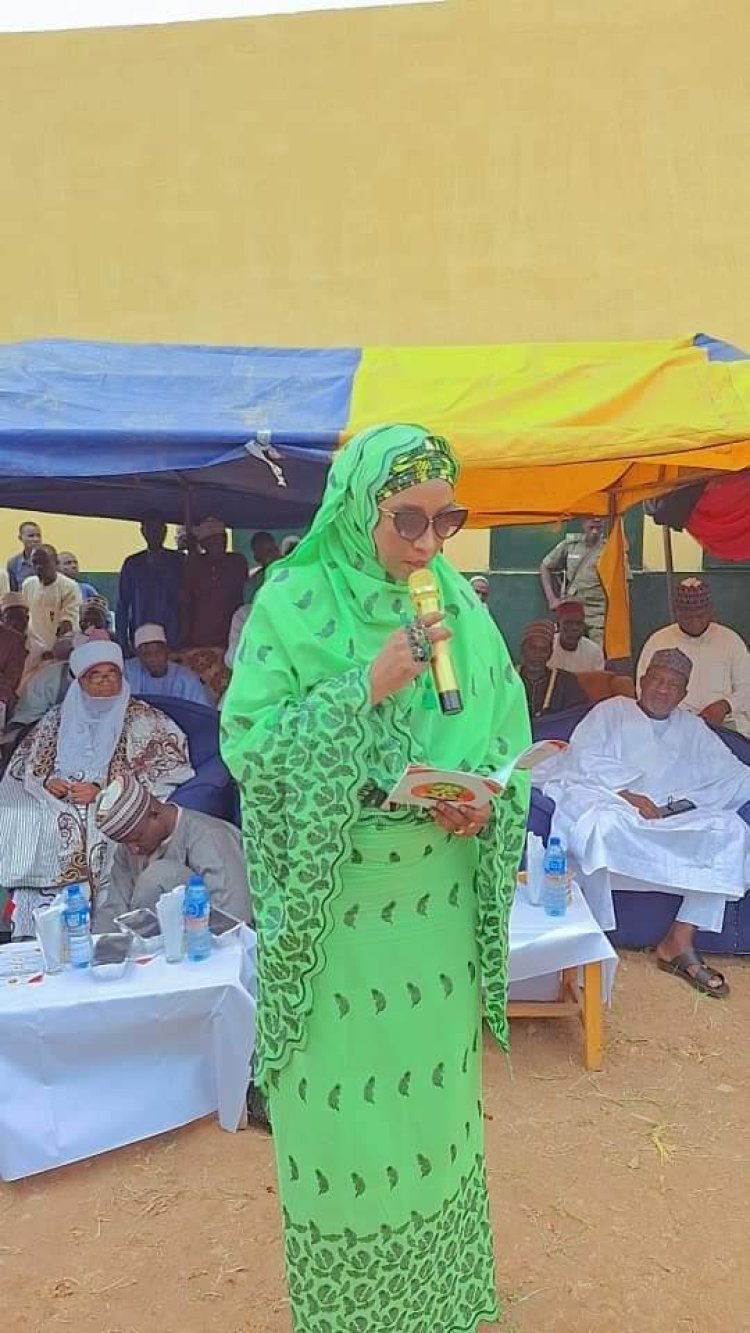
{"x":48,"y":833}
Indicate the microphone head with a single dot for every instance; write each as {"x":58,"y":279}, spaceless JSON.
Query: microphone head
{"x":422,"y":583}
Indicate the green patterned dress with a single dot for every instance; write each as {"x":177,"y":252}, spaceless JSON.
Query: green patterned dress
{"x":377,"y":931}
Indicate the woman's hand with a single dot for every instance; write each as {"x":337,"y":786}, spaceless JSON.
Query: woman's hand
{"x":460,"y":819}
{"x":57,"y":787}
{"x":394,"y":667}
{"x":83,"y":793}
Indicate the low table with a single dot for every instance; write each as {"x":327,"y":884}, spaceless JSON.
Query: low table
{"x":88,"y":1065}
{"x":561,"y":967}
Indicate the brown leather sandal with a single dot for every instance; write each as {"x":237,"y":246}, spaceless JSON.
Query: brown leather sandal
{"x":701,"y":979}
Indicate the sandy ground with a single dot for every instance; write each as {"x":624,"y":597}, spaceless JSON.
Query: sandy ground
{"x":619,"y":1199}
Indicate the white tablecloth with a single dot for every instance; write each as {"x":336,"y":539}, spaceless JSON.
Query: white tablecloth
{"x":541,"y":946}
{"x":89,"y":1065}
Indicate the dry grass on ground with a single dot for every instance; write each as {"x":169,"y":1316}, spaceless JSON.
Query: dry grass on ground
{"x":620,"y":1199}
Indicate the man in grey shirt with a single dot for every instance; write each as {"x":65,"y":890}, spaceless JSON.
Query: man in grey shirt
{"x":160,"y":846}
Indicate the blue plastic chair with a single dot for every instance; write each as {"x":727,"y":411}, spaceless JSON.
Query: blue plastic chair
{"x":212,"y":790}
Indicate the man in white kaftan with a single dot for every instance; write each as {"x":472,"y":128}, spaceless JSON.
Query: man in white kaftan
{"x":719,"y":688}
{"x":627,"y":764}
{"x":54,"y":602}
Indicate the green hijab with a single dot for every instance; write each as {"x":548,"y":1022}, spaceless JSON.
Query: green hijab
{"x":304,"y":743}
{"x":335,"y":605}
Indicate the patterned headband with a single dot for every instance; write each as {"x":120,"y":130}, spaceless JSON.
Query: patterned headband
{"x":430,"y":460}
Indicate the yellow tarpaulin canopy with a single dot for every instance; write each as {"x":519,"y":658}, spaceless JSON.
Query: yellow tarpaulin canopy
{"x":546,"y":431}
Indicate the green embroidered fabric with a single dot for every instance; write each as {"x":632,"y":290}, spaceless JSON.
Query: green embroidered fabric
{"x":377,"y":931}
{"x":301,"y":738}
{"x":377,"y":1119}
{"x":431,"y":1275}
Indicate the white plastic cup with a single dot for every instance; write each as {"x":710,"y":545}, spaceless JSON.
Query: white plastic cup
{"x":50,"y":934}
{"x":169,"y":912}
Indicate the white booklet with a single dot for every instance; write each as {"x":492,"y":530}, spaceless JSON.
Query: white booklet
{"x":424,"y":786}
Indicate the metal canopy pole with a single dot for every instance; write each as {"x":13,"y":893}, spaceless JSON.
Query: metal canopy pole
{"x":666,"y":536}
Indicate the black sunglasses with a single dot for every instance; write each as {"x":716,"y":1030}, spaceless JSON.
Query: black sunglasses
{"x":411,"y":523}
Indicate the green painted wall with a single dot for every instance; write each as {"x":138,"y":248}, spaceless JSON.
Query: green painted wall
{"x":523,"y":548}
{"x":516,"y":597}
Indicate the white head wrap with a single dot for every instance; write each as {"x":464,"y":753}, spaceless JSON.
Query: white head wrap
{"x":149,"y":634}
{"x":90,"y":728}
{"x":94,"y":652}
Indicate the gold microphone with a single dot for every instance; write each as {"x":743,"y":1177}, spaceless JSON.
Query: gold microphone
{"x":425,"y":596}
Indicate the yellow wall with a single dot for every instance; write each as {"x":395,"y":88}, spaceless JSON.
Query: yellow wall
{"x":478,"y":170}
{"x":470,"y":549}
{"x":100,"y":544}
{"x":687,"y":553}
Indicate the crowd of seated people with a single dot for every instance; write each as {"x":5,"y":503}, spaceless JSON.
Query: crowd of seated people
{"x":48,"y":832}
{"x":180,"y":615}
{"x":554,"y":655}
{"x":55,"y":829}
{"x":73,"y":720}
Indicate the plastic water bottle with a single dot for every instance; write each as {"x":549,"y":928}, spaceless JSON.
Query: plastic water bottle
{"x":555,"y":893}
{"x":77,"y":920}
{"x":197,"y":904}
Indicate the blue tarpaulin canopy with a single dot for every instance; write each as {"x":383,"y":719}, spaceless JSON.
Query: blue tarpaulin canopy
{"x":114,"y":429}
{"x":541,"y":430}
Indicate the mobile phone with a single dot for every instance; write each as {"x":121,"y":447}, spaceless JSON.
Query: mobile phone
{"x":676,"y":808}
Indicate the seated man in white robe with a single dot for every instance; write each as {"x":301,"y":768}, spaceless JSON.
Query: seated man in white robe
{"x":150,"y":672}
{"x":159,"y":846}
{"x":618,"y":790}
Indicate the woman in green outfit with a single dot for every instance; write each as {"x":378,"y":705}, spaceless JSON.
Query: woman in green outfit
{"x":377,"y":928}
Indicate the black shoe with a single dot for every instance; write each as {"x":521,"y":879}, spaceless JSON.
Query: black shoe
{"x":257,"y":1111}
